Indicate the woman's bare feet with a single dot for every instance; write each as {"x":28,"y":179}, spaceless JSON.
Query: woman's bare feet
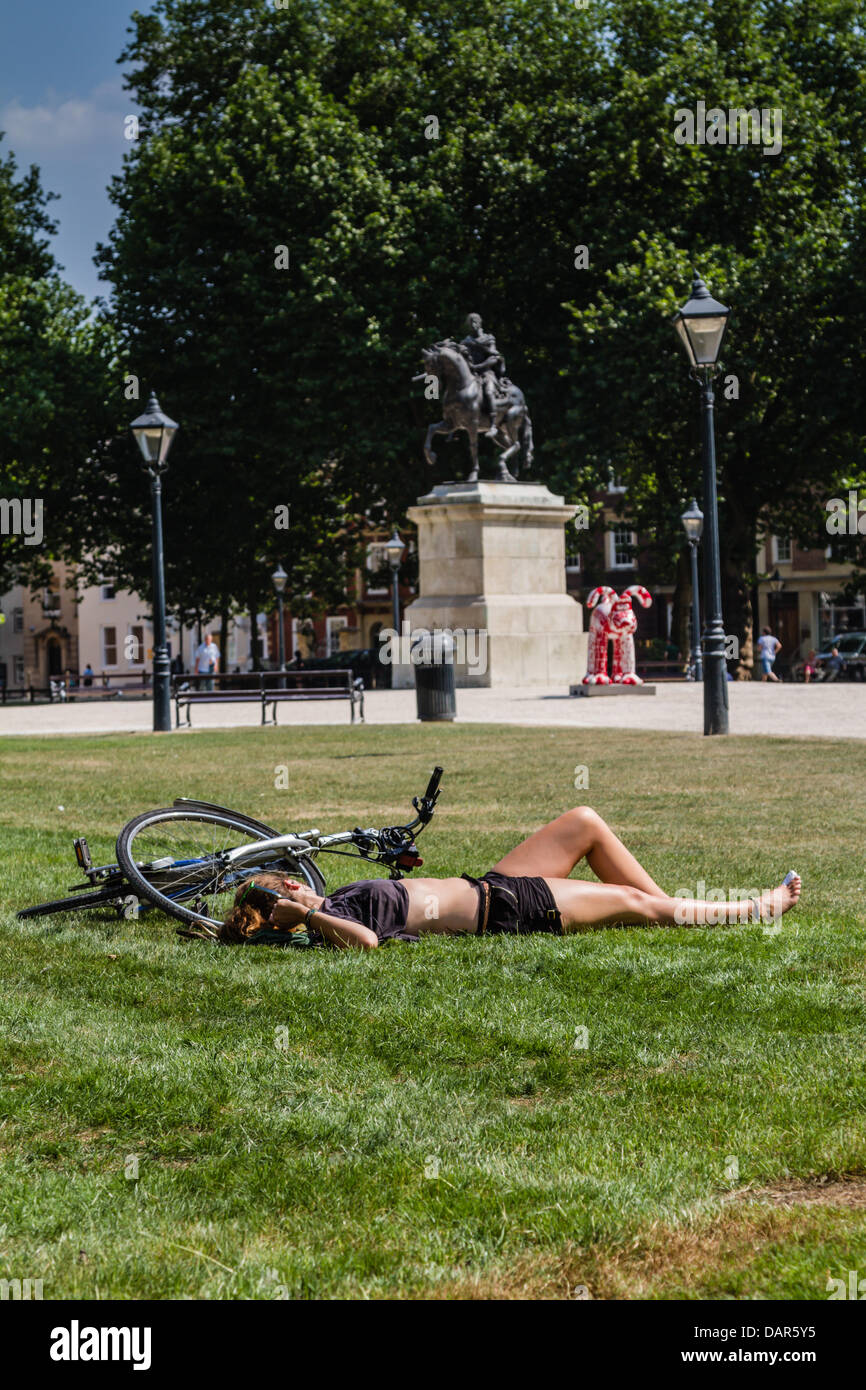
{"x":777,"y":901}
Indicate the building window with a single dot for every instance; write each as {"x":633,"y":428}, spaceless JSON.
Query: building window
{"x":107,"y":592}
{"x":621,"y":543}
{"x":377,"y":560}
{"x":18,"y":670}
{"x":615,"y":482}
{"x":135,"y":645}
{"x":333,"y":628}
{"x":573,"y":561}
{"x":51,"y":602}
{"x":17,"y":619}
{"x":304,"y":638}
{"x":109,"y":646}
{"x":781,"y":550}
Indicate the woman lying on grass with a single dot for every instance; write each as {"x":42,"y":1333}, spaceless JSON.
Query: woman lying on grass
{"x":527,"y":891}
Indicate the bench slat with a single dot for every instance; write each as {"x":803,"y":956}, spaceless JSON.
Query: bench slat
{"x":195,"y":697}
{"x":341,"y":686}
{"x":313,"y":694}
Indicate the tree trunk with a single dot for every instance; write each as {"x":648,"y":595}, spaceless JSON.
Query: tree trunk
{"x":739,"y":564}
{"x":224,"y":636}
{"x":739,"y":619}
{"x":682,"y":607}
{"x":255,"y":640}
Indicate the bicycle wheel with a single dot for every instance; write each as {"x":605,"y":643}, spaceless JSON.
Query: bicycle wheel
{"x":172,"y":856}
{"x":107,"y":897}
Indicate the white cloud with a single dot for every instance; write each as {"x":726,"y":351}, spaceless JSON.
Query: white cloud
{"x":76,"y":124}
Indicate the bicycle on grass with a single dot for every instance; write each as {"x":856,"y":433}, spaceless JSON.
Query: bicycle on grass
{"x":188,"y":860}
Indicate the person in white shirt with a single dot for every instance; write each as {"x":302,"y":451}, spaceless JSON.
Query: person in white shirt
{"x":769,"y":648}
{"x":207,"y":660}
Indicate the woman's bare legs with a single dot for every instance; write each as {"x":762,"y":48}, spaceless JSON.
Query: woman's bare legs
{"x":584,"y":905}
{"x":553,"y":851}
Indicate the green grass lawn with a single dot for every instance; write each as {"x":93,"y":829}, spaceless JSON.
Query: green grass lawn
{"x":418,"y":1122}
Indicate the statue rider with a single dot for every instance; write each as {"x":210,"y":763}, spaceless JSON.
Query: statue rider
{"x":488,"y":364}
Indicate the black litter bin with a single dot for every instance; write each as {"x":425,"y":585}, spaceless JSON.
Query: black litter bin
{"x":432,"y":655}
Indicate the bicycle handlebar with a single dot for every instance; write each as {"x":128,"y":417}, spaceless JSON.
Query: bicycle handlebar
{"x":426,"y":804}
{"x":386,"y":843}
{"x":433,"y":784}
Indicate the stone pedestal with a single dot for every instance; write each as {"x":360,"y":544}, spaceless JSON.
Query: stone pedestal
{"x":492,"y":565}
{"x":588,"y":691}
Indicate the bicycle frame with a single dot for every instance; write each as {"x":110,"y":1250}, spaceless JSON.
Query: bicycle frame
{"x":393,"y":847}
{"x":309,"y":843}
{"x":387,"y":846}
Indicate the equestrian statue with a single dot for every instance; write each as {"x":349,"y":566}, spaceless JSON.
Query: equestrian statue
{"x":478,"y":397}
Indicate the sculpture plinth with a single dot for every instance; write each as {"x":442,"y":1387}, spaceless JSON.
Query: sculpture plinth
{"x":492,"y":566}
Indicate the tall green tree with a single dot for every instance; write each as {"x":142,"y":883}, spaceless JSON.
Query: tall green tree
{"x":775,"y":236}
{"x":306,"y":128}
{"x":418,"y":162}
{"x":56,"y":384}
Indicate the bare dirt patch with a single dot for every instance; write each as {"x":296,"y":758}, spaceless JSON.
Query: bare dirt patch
{"x":665,"y":1258}
{"x":825,"y":1191}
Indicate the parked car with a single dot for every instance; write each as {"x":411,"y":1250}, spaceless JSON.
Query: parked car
{"x":361,"y":662}
{"x":851,"y":647}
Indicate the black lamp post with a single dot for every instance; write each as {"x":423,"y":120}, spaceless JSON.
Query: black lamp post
{"x":279,"y":579}
{"x":701,"y":325}
{"x":693,"y":525}
{"x":394,"y":551}
{"x":154,"y":433}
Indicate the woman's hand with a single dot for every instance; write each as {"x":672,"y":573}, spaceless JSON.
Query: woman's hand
{"x":293,"y":908}
{"x":288,"y":913}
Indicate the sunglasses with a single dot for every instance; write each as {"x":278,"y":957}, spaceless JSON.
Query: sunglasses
{"x":257,"y":888}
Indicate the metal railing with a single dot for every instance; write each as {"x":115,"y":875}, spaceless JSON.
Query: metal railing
{"x":66,"y":689}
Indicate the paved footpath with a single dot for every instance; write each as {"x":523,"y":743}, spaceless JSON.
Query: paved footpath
{"x":831,"y":711}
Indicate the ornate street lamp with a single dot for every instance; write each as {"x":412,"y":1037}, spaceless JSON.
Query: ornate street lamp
{"x":693,"y":525}
{"x":279,"y":579}
{"x":394,"y":549}
{"x":701,"y":326}
{"x":154,"y":433}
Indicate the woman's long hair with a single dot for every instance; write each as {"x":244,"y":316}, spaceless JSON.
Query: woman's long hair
{"x":252,"y":908}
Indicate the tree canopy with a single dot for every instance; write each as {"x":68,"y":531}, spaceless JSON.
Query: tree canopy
{"x":56,"y":412}
{"x":321,"y":187}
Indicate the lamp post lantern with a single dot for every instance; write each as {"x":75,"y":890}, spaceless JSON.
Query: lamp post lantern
{"x":701,"y":326}
{"x":154,"y":432}
{"x":279,"y":579}
{"x":693,"y":525}
{"x":394,"y":550}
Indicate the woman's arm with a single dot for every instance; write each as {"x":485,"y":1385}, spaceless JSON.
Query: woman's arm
{"x":343,"y":933}
{"x":340,"y":932}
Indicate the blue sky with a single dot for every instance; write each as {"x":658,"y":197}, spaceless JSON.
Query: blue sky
{"x":62,"y":107}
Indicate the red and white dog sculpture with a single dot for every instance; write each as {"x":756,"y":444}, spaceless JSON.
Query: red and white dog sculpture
{"x":613,"y":619}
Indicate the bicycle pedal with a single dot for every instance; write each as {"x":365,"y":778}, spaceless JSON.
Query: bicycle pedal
{"x":82,"y":854}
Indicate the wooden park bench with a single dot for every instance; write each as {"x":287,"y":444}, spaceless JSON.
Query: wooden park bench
{"x":94,"y":692}
{"x":269,"y":689}
{"x":666,"y":670}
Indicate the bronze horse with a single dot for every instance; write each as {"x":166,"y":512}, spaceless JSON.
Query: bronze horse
{"x":462,"y":397}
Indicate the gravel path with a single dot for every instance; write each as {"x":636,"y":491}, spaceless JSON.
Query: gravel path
{"x":834,"y":711}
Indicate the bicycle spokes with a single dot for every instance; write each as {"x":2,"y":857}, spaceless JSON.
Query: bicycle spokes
{"x":185,"y":860}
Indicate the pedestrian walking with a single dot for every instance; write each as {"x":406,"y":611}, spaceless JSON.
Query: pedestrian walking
{"x":768,"y":648}
{"x":207,"y":660}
